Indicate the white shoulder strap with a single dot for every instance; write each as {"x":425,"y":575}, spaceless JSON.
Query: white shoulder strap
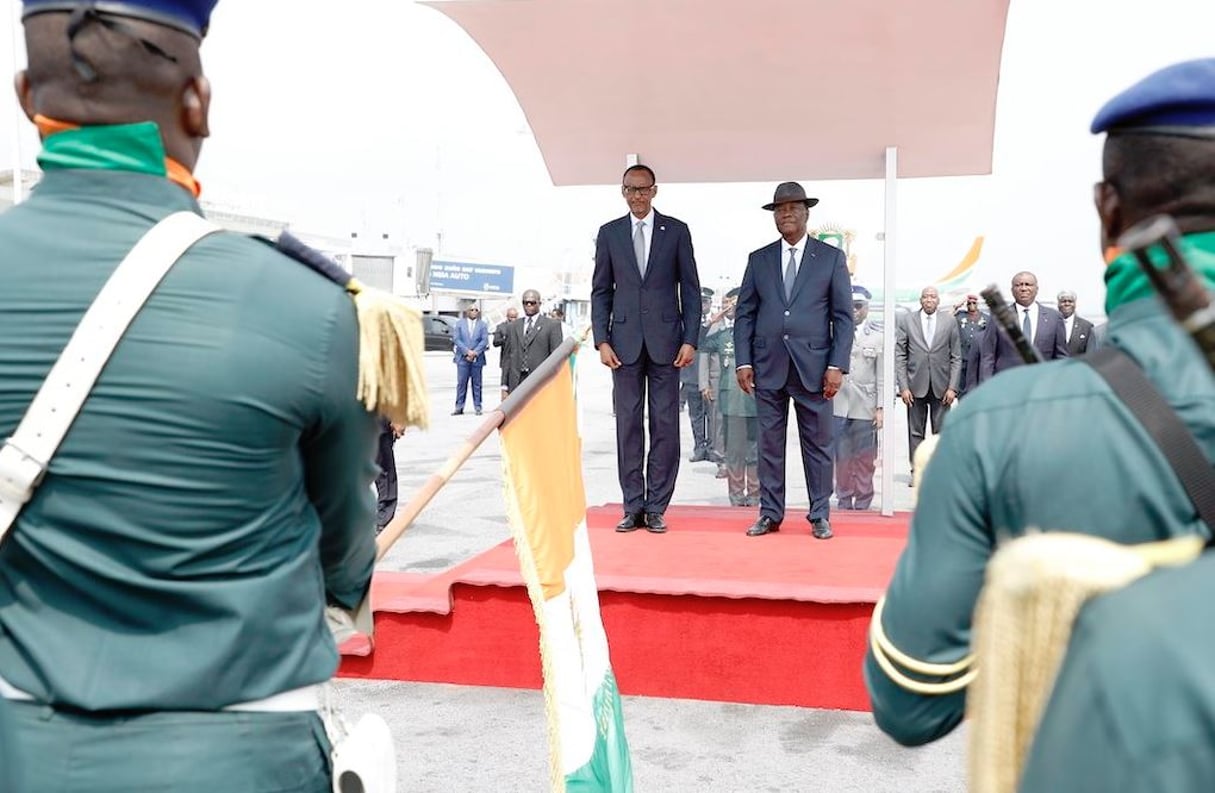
{"x":25,"y":456}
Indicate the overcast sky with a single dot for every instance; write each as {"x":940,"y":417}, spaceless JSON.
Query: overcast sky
{"x":382,"y":116}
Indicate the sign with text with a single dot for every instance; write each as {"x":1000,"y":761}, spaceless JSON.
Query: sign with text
{"x":447,"y":276}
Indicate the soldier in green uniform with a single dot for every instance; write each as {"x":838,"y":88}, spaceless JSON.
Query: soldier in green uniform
{"x":1007,"y":461}
{"x":162,"y":595}
{"x":1134,"y":704}
{"x":737,"y":410}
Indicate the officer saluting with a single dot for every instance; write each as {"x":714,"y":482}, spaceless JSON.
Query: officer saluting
{"x":162,"y":590}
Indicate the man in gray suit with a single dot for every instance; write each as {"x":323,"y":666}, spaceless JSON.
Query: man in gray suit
{"x":1042,"y":325}
{"x":927,"y":366}
{"x":529,"y":340}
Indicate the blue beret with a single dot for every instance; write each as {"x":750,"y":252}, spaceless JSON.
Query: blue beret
{"x":188,"y":16}
{"x":861,"y":293}
{"x":1178,"y":100}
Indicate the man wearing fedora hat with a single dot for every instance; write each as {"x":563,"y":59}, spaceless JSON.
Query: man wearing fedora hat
{"x":793,"y":335}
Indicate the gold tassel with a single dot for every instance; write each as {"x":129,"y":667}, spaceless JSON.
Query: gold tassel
{"x":1035,"y":588}
{"x":392,"y":377}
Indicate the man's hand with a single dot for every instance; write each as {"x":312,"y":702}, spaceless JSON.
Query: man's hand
{"x":832,"y":380}
{"x":707,"y":393}
{"x":687,"y":354}
{"x":950,"y":396}
{"x":607,"y":356}
{"x":746,"y":380}
{"x":906,"y":396}
{"x":397,"y":431}
{"x":877,"y":419}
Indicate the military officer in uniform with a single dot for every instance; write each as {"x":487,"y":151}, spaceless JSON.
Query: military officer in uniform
{"x":689,"y":383}
{"x":972,"y":323}
{"x":1005,"y":463}
{"x":858,"y":411}
{"x":738,"y":413}
{"x":162,"y":593}
{"x":1134,"y":704}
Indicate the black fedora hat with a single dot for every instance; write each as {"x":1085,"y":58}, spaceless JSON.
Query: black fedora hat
{"x":790,"y":191}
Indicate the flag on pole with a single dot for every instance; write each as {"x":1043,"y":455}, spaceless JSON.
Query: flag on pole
{"x":546,"y":505}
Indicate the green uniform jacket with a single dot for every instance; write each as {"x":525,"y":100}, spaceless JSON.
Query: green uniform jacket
{"x":215,"y":488}
{"x":1046,"y":446}
{"x":1134,"y":706}
{"x":732,"y":400}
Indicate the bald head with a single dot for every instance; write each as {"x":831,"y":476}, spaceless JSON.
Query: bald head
{"x":125,"y":71}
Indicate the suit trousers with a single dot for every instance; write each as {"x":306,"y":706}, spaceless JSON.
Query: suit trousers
{"x":855,"y":462}
{"x":186,"y":752}
{"x":640,"y":385}
{"x":815,"y":425}
{"x":386,"y":482}
{"x":697,"y":416}
{"x":917,"y":417}
{"x":468,"y":373}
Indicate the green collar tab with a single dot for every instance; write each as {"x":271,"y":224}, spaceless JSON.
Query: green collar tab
{"x":1126,"y":282}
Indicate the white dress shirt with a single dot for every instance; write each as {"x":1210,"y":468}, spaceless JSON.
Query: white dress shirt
{"x":1033,"y":319}
{"x":648,"y":220}
{"x":785,"y":247}
{"x":1067,"y":325}
{"x":928,"y":326}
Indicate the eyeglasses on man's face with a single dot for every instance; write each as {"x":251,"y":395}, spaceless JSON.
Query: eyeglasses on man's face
{"x":531,"y":302}
{"x":630,"y":190}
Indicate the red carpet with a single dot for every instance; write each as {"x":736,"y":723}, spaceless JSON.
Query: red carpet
{"x":702,"y":612}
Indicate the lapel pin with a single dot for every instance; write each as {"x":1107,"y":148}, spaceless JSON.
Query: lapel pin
{"x":662,"y":228}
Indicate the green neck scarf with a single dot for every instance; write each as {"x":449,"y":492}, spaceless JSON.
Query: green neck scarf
{"x":1125,"y":281}
{"x":116,"y":147}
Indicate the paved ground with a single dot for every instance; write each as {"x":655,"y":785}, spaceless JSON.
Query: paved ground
{"x":484,"y":739}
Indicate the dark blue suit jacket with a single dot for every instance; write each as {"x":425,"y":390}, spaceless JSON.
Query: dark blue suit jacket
{"x":664,"y":309}
{"x":477,"y":342}
{"x":812,"y":331}
{"x":998,"y":353}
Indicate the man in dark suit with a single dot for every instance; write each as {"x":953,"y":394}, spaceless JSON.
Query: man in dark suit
{"x":645,"y":312}
{"x":501,"y":337}
{"x":471,"y":338}
{"x":1042,"y":325}
{"x":793,"y":334}
{"x":927,"y":366}
{"x":1078,"y":331}
{"x":530,"y":339}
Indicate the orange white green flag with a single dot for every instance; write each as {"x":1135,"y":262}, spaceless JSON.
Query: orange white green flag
{"x":546,"y":504}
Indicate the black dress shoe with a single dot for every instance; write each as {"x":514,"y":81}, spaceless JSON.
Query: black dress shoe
{"x":632,"y":522}
{"x":457,"y":413}
{"x":700,"y":455}
{"x":844,"y":505}
{"x":764,"y":525}
{"x":822,"y":529}
{"x":655,"y":523}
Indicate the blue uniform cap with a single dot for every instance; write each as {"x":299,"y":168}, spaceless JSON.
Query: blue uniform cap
{"x":860,"y":294}
{"x":188,"y":16}
{"x":1177,"y":100}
